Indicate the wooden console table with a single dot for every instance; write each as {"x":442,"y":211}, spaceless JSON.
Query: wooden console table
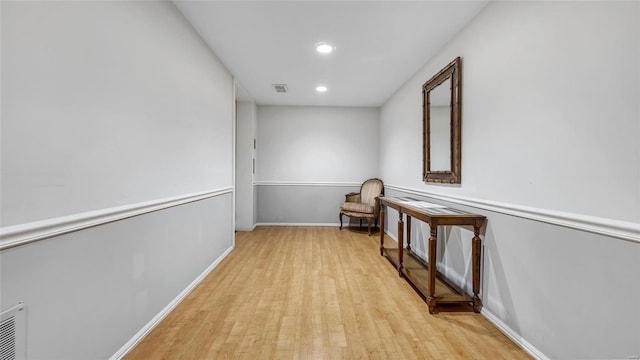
{"x":423,"y":276}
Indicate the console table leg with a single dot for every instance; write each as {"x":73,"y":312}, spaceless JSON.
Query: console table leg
{"x":400,"y":243}
{"x":408,"y":233}
{"x":476,"y":252}
{"x":381,"y":230}
{"x":431,"y":303}
{"x":431,"y":271}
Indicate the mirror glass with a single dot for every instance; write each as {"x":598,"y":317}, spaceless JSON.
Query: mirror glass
{"x":440,"y":134}
{"x":442,"y":143}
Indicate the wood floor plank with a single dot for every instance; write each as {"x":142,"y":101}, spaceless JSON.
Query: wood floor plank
{"x":315,"y":293}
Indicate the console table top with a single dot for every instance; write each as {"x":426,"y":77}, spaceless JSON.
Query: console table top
{"x":425,"y":208}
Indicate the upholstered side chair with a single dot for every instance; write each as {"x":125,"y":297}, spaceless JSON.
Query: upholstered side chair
{"x":364,"y":204}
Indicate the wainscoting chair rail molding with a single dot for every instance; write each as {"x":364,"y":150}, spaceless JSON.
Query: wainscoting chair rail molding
{"x":602,"y":226}
{"x":309,"y":183}
{"x":16,"y":235}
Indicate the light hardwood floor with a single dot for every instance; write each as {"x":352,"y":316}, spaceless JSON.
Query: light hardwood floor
{"x":315,"y":293}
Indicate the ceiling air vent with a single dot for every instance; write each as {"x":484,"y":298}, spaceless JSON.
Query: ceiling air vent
{"x":280,"y":88}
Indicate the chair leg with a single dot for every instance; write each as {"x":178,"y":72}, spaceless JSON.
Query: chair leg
{"x":361,"y":223}
{"x":340,"y":220}
{"x":369,"y":225}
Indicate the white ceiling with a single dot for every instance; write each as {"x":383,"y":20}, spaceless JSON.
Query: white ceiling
{"x":379,"y":44}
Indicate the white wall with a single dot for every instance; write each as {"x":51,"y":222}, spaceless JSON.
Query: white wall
{"x":316,"y":150}
{"x":302,"y":204}
{"x":314,"y":144}
{"x":245,"y":155}
{"x":548,"y":82}
{"x":89,"y":292}
{"x":107,"y":105}
{"x":557,"y":292}
{"x":551,"y":122}
{"x":255,"y":156}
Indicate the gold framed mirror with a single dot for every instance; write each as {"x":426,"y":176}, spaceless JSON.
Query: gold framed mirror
{"x":442,"y":120}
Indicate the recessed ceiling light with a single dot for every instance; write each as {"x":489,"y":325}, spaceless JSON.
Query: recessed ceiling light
{"x":324,"y":48}
{"x":321,"y":89}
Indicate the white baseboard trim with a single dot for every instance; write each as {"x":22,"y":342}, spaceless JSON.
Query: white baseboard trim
{"x":516,"y":338}
{"x":135,"y":340}
{"x":298,"y":224}
{"x":609,"y":227}
{"x":309,"y":183}
{"x":251,"y":228}
{"x":16,"y":235}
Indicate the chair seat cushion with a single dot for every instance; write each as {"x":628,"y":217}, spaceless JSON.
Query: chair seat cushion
{"x":357,"y":207}
{"x":357,"y":215}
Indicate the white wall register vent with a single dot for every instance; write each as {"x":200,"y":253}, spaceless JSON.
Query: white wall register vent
{"x":13,"y":334}
{"x":280,"y":88}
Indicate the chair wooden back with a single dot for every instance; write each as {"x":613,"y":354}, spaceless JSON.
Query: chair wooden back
{"x":371,"y":189}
